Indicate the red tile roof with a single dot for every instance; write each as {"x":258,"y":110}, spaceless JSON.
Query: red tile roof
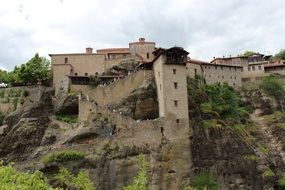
{"x":114,"y":50}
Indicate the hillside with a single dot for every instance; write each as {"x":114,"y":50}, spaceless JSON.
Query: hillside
{"x":238,"y":144}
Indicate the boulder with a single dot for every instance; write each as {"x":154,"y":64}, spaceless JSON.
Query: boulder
{"x":124,"y":67}
{"x":141,"y":104}
{"x":67,"y":105}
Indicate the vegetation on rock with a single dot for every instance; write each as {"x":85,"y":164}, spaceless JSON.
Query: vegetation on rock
{"x":63,"y":156}
{"x":80,"y":181}
{"x":204,"y":181}
{"x":94,"y":80}
{"x":67,"y":118}
{"x":141,"y":180}
{"x":10,"y":179}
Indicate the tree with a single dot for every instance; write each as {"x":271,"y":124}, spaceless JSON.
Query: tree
{"x":204,"y":181}
{"x":35,"y":70}
{"x":94,"y":80}
{"x":279,"y":56}
{"x":248,"y":53}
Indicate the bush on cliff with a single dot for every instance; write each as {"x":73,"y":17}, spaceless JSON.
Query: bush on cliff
{"x":13,"y":180}
{"x":63,"y":156}
{"x":141,"y":180}
{"x":204,"y":181}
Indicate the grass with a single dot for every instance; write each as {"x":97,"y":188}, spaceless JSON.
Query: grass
{"x":67,"y":118}
{"x":63,"y":156}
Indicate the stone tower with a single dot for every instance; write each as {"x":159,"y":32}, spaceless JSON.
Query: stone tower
{"x":170,"y":76}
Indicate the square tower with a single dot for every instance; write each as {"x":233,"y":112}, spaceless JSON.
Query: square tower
{"x":170,"y":76}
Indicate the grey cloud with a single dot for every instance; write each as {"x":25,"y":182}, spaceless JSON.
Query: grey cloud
{"x":206,"y":28}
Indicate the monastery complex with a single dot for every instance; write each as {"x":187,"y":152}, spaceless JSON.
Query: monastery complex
{"x":169,"y":68}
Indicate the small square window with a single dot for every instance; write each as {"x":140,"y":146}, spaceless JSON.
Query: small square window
{"x":174,"y":71}
{"x":175,"y":103}
{"x":175,"y":85}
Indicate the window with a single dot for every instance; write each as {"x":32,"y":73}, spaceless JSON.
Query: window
{"x":175,"y":103}
{"x":235,"y":77}
{"x":241,"y":69}
{"x":234,"y":84}
{"x":209,"y":67}
{"x":221,"y":67}
{"x":160,"y":86}
{"x":147,"y":55}
{"x":158,"y":74}
{"x":75,"y":74}
{"x":259,"y":67}
{"x":222,"y":77}
{"x":231,"y":77}
{"x":253,"y":68}
{"x":248,"y":68}
{"x":86,"y":74}
{"x":175,"y":85}
{"x":195,"y":72}
{"x":209,"y":76}
{"x":177,"y":120}
{"x":230,"y":68}
{"x":235,"y":69}
{"x":216,"y":67}
{"x":174,"y":71}
{"x":66,"y":60}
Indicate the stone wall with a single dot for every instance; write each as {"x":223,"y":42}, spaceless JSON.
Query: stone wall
{"x":222,"y":73}
{"x":114,"y":92}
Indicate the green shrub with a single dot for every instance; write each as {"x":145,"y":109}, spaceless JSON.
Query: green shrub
{"x":272,"y":86}
{"x":63,"y":156}
{"x":141,"y":180}
{"x":67,"y":118}
{"x":204,"y":181}
{"x":80,"y":181}
{"x":10,"y":179}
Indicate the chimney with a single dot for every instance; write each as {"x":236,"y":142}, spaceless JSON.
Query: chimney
{"x":214,"y":57}
{"x":141,"y":40}
{"x":230,"y":55}
{"x":223,"y":56}
{"x":89,"y":50}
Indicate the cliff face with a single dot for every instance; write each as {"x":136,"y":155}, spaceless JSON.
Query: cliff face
{"x":237,"y":159}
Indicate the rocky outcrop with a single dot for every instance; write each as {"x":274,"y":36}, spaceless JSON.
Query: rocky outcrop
{"x":24,"y":128}
{"x":141,"y":104}
{"x":124,"y":67}
{"x":67,"y":105}
{"x":260,"y":102}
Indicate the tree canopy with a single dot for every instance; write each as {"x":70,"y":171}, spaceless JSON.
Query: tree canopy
{"x":37,"y":69}
{"x":280,"y":55}
{"x":248,"y":53}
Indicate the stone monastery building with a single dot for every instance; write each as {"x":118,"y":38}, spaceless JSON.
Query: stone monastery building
{"x":169,"y":67}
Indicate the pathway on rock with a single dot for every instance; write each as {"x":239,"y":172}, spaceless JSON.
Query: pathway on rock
{"x":274,"y":142}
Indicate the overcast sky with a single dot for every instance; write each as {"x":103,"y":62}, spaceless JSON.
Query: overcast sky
{"x":205,"y":28}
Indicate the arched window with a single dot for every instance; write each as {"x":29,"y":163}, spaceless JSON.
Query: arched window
{"x":66,"y":60}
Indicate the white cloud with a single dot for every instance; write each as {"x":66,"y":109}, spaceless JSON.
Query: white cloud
{"x":206,"y":28}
